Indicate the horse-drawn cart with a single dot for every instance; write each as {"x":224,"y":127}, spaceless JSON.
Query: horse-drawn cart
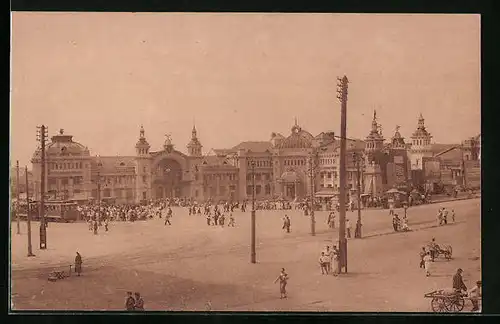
{"x":447,"y":301}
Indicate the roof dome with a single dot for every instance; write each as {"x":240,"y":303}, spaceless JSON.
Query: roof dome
{"x":61,"y":145}
{"x":298,"y":139}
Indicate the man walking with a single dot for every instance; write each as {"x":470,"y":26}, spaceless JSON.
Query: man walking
{"x":458,"y":282}
{"x":348,"y":227}
{"x":169,"y":215}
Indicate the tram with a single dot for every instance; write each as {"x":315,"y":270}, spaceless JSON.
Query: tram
{"x":55,"y":211}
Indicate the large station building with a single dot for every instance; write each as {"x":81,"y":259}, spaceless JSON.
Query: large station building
{"x":285,"y":166}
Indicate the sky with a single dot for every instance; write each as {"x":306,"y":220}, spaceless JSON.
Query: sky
{"x":238,"y":77}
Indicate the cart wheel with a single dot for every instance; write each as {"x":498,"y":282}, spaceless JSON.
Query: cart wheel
{"x":438,"y":305}
{"x":455,"y":304}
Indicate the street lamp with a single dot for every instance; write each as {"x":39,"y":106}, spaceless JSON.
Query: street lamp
{"x":252,"y":252}
{"x":356,"y":158}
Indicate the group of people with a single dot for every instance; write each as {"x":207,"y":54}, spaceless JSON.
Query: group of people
{"x":442,"y":216}
{"x":460,"y":288}
{"x":134,"y":302}
{"x":400,"y":224}
{"x":328,"y":258}
{"x":428,"y":255}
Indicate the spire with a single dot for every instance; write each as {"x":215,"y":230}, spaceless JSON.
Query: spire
{"x":421,"y":121}
{"x":296,"y":123}
{"x":374,"y":122}
{"x":193,"y":132}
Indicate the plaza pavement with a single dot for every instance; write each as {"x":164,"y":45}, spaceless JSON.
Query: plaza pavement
{"x":190,"y":265}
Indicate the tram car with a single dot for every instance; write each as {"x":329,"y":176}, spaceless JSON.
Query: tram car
{"x":58,"y":211}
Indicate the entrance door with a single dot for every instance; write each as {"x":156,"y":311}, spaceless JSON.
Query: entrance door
{"x":160,"y":192}
{"x":290,"y":191}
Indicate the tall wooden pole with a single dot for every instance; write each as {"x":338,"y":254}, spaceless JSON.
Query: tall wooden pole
{"x":17,"y":196}
{"x":342,"y":178}
{"x":28,"y":212}
{"x":43,"y":225}
{"x":253,"y":254}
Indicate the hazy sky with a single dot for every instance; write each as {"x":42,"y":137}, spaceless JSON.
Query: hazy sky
{"x":239,"y":76}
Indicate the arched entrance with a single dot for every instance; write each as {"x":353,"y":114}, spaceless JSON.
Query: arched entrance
{"x":291,"y":185}
{"x":167,"y":179}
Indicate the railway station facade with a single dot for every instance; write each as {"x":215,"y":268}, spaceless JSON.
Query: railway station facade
{"x":286,"y":167}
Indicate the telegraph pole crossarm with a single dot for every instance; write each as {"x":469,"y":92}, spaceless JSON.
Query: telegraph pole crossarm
{"x":42,"y":137}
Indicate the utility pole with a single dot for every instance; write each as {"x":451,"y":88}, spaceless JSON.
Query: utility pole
{"x":42,"y":137}
{"x":313,"y":220}
{"x":98,"y":196}
{"x":357,"y":233}
{"x":342,"y":96}
{"x":252,"y":256}
{"x":28,"y":213}
{"x":17,"y":195}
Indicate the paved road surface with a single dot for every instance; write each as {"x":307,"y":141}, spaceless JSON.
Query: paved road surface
{"x":187,"y":265}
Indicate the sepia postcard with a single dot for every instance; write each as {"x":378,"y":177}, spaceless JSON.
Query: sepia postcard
{"x":256,"y":162}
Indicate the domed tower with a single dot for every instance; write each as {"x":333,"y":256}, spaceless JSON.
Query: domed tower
{"x":420,"y":145}
{"x":374,"y":141}
{"x":142,"y":168}
{"x":194,"y":146}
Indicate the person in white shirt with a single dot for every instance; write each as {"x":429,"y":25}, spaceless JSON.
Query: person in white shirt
{"x":323,"y":262}
{"x":348,"y":227}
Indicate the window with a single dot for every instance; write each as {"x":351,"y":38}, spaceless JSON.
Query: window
{"x":144,"y":169}
{"x":329,"y":185}
{"x":144,"y":179}
{"x":64,"y":181}
{"x":258,"y":190}
{"x":52,"y":181}
{"x":77,"y":180}
{"x":222,"y":190}
{"x":268,"y":189}
{"x":196,"y":193}
{"x":94,"y":193}
{"x":257,"y":177}
{"x":144,"y":195}
{"x":329,"y":175}
{"x":77,"y":191}
{"x":249,"y":190}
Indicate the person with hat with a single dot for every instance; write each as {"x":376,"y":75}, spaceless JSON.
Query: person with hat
{"x":475,"y":295}
{"x":458,"y":282}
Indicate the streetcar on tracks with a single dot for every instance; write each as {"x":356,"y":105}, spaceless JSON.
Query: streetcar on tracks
{"x":55,"y":211}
